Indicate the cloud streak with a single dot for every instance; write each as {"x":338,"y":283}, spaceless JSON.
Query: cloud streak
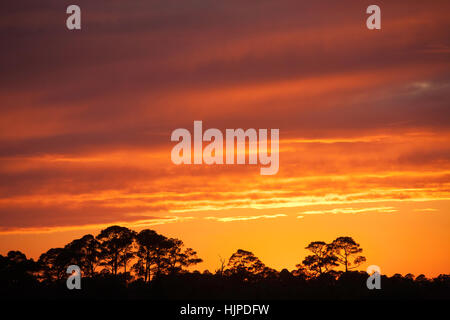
{"x":350,"y":210}
{"x":86,"y":117}
{"x":245,"y":218}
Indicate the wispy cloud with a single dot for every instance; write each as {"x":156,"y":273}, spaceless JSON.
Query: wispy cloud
{"x":245,"y":218}
{"x":349,"y":210}
{"x":143,"y":223}
{"x":87,"y":142}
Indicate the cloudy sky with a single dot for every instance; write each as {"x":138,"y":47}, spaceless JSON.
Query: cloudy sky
{"x":86,"y":119}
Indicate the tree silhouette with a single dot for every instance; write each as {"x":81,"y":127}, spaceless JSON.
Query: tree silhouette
{"x":116,"y":247}
{"x":344,"y":248}
{"x":221,"y":268}
{"x":152,"y":247}
{"x":409,"y":276}
{"x":179,"y":257}
{"x":53,"y":263}
{"x":302,"y":271}
{"x":246,"y":266}
{"x":156,"y":256}
{"x":322,"y":260}
{"x":15,"y":268}
{"x":85,"y":253}
{"x":421,"y":278}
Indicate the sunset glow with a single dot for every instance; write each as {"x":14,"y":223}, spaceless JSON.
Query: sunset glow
{"x":364,"y":126}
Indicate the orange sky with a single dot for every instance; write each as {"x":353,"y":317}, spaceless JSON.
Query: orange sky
{"x":86,"y":119}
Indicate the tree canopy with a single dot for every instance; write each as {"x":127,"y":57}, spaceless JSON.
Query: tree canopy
{"x":119,"y":261}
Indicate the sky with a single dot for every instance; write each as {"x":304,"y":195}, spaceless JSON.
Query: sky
{"x":364,"y":120}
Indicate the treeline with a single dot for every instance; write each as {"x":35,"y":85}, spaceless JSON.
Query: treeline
{"x":121,"y":263}
{"x":117,"y":251}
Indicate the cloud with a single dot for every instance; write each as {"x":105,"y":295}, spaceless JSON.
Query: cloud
{"x":149,"y":222}
{"x":350,"y":210}
{"x":245,"y":218}
{"x":86,"y":117}
{"x":105,"y":187}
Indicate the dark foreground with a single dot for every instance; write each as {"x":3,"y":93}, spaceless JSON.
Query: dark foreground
{"x":196,"y":286}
